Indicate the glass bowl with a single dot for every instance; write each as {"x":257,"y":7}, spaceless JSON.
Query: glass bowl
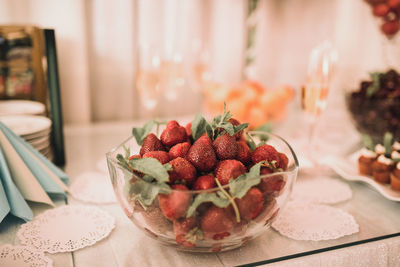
{"x":377,"y":113}
{"x":190,"y":234}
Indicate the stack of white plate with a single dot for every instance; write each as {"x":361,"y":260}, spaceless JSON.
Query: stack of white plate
{"x":36,"y":130}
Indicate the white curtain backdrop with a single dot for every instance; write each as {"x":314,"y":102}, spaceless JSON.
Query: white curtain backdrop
{"x":97,"y":45}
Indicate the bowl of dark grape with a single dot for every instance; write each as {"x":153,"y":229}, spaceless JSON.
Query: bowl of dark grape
{"x":375,"y":105}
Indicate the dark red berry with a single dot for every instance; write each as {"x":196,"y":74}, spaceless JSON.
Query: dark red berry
{"x":204,"y":182}
{"x":229,"y":169}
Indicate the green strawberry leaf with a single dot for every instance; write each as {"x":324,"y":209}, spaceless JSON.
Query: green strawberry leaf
{"x":368,"y":142}
{"x":218,"y":200}
{"x":238,"y":187}
{"x":147,"y":166}
{"x":240,"y":127}
{"x":141,"y":133}
{"x":199,"y":126}
{"x":265,"y":128}
{"x":387,"y":143}
{"x":146,"y":192}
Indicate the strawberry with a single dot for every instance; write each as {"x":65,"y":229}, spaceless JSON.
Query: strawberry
{"x":161,"y":156}
{"x":182,"y":171}
{"x":251,"y":204}
{"x":188,"y":129}
{"x":173,"y":134}
{"x":229,"y":169}
{"x":283,"y":161}
{"x":235,"y":122}
{"x":134,"y":157}
{"x":204,"y":182}
{"x":151,"y":143}
{"x":217,"y":223}
{"x":265,"y":152}
{"x":202,"y":155}
{"x":182,"y":227}
{"x":225,"y":147}
{"x":272,"y":184}
{"x":179,"y":150}
{"x":244,"y":153}
{"x":175,"y":204}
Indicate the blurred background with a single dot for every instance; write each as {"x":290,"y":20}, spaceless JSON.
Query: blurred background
{"x":116,"y":58}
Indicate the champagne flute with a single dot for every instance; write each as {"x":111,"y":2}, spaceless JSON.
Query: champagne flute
{"x":148,"y":79}
{"x":314,"y":92}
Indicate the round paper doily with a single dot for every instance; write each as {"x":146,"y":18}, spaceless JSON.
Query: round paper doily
{"x":66,"y":228}
{"x":322,"y":190}
{"x":94,"y":187}
{"x":306,"y":221}
{"x":22,"y":256}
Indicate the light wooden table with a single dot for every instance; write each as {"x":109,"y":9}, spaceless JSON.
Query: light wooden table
{"x":128,"y":246}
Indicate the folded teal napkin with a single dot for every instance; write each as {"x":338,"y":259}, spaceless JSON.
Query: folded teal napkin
{"x":14,"y":202}
{"x":17,"y":139}
{"x":43,"y":170}
{"x":47,"y":183}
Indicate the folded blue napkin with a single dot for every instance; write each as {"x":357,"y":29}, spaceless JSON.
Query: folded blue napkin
{"x":15,"y":203}
{"x":16,"y":138}
{"x":45,"y":172}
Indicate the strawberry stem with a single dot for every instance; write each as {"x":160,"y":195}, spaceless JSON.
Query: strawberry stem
{"x":231,"y":200}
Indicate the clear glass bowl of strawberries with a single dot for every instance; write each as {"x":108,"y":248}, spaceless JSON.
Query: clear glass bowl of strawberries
{"x":207,"y":187}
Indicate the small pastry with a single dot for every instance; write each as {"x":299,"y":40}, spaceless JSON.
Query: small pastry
{"x":380,"y":149}
{"x":395,"y":155}
{"x":395,"y":177}
{"x":365,"y":161}
{"x":381,"y":169}
{"x":396,"y":146}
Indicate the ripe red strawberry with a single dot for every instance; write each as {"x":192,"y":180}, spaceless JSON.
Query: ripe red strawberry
{"x":161,"y":156}
{"x":390,"y":27}
{"x":151,"y":143}
{"x":235,"y":122}
{"x":225,"y":147}
{"x":244,"y":153}
{"x":202,"y":155}
{"x":179,"y":150}
{"x":265,"y":152}
{"x":272,"y":184}
{"x":181,"y":229}
{"x":217,"y":223}
{"x":188,"y":129}
{"x":380,"y":10}
{"x":251,"y":204}
{"x":204,"y":182}
{"x":134,"y":157}
{"x":182,"y":171}
{"x":173,"y":134}
{"x":229,"y":169}
{"x":175,"y":204}
{"x":283,"y":161}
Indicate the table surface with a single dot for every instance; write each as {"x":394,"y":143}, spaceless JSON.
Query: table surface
{"x":128,"y":246}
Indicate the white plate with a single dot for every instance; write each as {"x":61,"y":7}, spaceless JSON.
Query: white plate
{"x":348,"y":169}
{"x":40,"y":143}
{"x":21,"y":107}
{"x":26,"y":124}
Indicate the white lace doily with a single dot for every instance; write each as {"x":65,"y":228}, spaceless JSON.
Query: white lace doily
{"x":101,"y":165}
{"x":66,"y":228}
{"x":307,"y":221}
{"x":322,"y":190}
{"x":94,"y":187}
{"x":22,"y":256}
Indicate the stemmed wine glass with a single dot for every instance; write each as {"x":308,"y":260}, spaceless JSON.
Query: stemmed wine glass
{"x":314,"y":92}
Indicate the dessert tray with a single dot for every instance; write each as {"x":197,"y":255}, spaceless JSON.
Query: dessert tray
{"x":347,"y":168}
